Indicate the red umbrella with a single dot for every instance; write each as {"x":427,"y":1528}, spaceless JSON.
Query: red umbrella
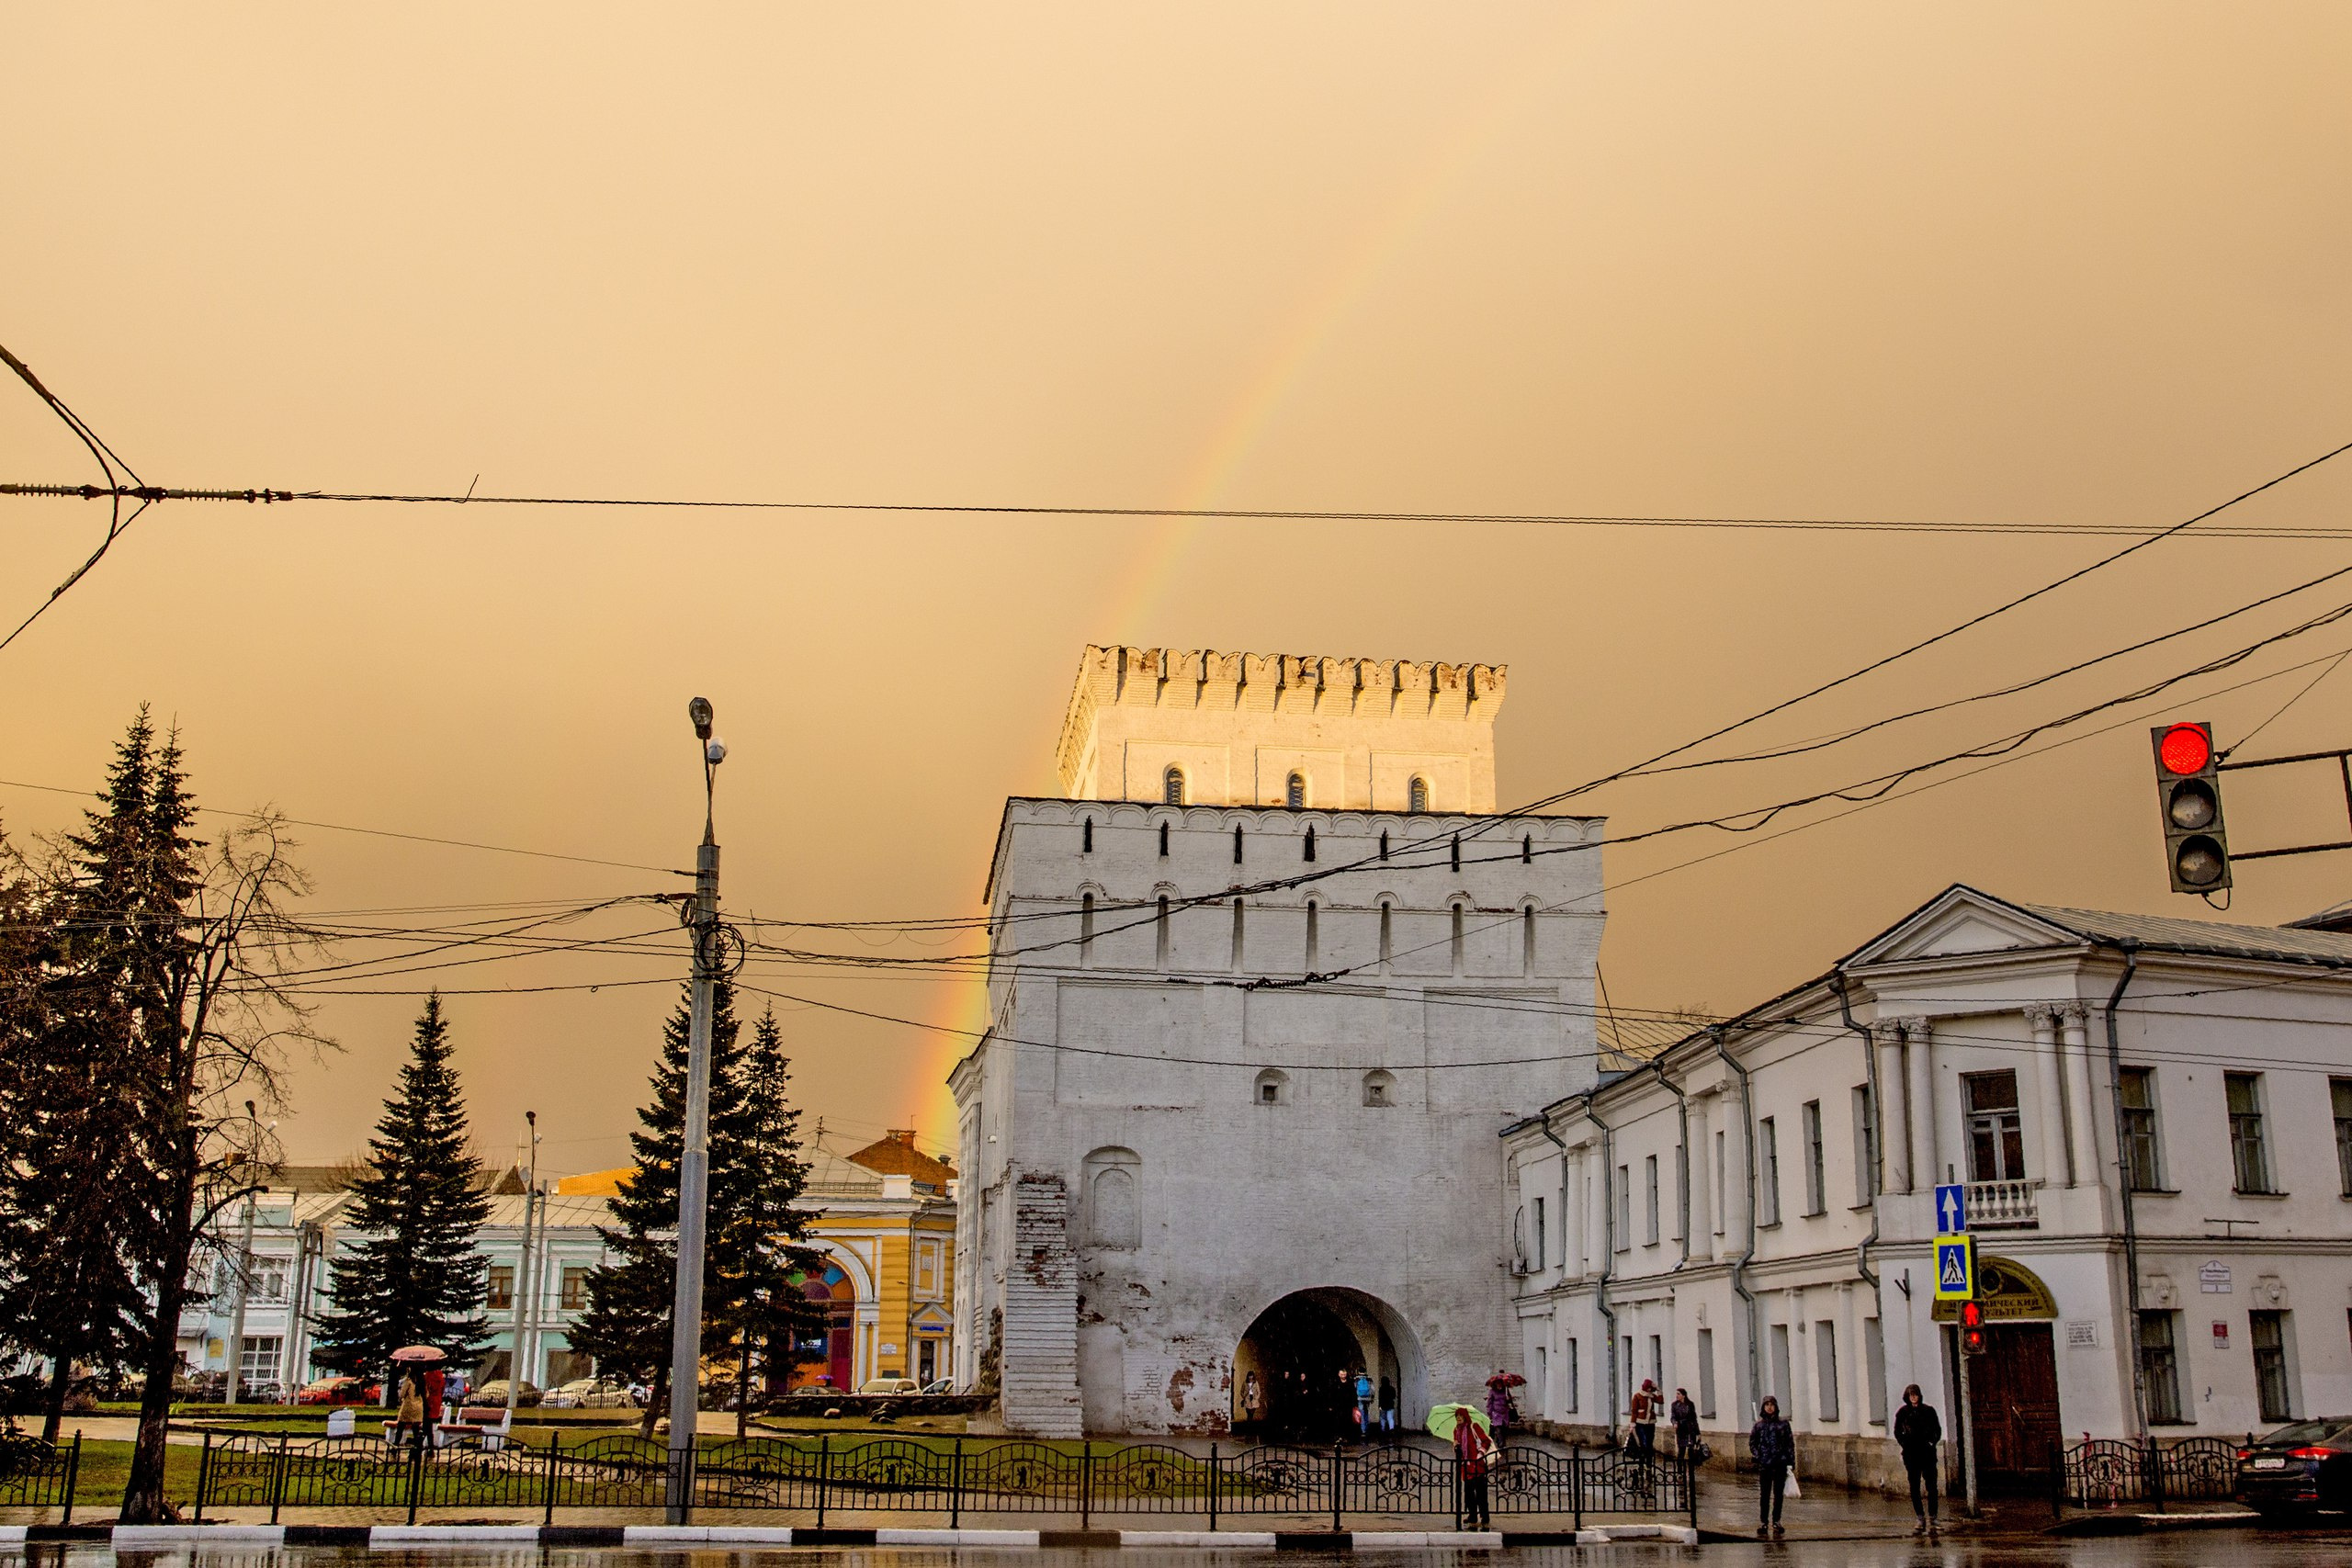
{"x":418,"y":1353}
{"x":1505,"y":1380}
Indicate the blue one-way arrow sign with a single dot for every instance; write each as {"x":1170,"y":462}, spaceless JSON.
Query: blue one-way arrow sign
{"x":1952,"y":1208}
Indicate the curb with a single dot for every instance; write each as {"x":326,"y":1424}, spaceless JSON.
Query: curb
{"x":2093,"y":1525}
{"x":407,"y":1537}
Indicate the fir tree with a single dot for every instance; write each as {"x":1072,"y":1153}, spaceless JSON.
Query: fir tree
{"x":627,"y":1325}
{"x":416,"y":1278}
{"x":76,"y":1220}
{"x":766,"y":1230}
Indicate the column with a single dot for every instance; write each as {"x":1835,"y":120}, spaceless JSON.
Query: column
{"x":2047,"y":1064}
{"x":1893,"y":1111}
{"x":2082,"y":1118}
{"x":1571,"y":1212}
{"x":1926,"y":1170}
{"x":1697,"y":1166}
{"x":1737,"y":1195}
{"x":1596,"y":1233}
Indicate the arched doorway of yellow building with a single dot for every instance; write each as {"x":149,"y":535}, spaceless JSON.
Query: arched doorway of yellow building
{"x":829,"y":1355}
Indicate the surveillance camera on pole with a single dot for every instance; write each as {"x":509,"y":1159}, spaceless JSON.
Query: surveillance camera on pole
{"x":2188,"y":797}
{"x":694,"y":1154}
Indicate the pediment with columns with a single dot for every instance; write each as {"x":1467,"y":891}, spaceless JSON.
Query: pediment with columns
{"x":1962,"y":922}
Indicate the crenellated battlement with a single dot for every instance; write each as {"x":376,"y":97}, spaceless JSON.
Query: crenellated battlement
{"x":1123,"y":694}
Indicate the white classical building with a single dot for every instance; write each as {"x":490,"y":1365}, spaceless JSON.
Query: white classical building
{"x":2153,"y":1120}
{"x":1264,"y":986}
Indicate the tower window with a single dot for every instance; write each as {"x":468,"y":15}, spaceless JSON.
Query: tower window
{"x":1310,"y":842}
{"x":1237,"y":918}
{"x":1272,"y":1088}
{"x":1384,"y":844}
{"x":1417,"y":795}
{"x":1527,"y":941}
{"x":1294,"y":792}
{"x":1086,"y":930}
{"x":1163,"y":841}
{"x":1457,"y":851}
{"x":1236,"y":843}
{"x":1172,"y":785}
{"x":1526,"y":848}
{"x":1314,"y":938}
{"x":1457,"y":939}
{"x":1163,"y":931}
{"x":1086,"y":843}
{"x":1380,"y":1089}
{"x":1386,"y":946}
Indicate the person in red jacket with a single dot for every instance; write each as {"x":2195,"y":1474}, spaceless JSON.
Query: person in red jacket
{"x":1473,"y":1450}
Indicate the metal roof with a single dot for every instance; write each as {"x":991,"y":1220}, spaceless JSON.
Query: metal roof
{"x":2276,"y":944}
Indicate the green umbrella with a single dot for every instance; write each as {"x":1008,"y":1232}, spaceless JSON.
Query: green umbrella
{"x":1444,"y":1418}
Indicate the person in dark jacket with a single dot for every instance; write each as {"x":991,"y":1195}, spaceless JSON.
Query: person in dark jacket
{"x":1685,"y":1417}
{"x":1773,"y":1444}
{"x":1917,"y":1430}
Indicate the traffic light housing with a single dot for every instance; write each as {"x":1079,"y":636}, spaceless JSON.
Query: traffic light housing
{"x":2188,"y":799}
{"x":1971,"y":1327}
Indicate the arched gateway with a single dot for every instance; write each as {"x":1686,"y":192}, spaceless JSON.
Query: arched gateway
{"x":1306,"y":1350}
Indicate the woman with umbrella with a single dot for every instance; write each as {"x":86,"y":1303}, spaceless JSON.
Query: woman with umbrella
{"x":1501,"y":1409}
{"x":420,"y":1402}
{"x":1465,"y":1426}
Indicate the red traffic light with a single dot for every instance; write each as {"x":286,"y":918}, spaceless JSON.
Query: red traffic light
{"x":2186,"y":749}
{"x":1972,"y":1314}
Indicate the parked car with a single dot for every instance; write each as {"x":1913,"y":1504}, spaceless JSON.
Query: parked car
{"x":494,"y":1392}
{"x":945,"y":1385}
{"x":332,"y":1390}
{"x":890,"y":1386}
{"x":2304,"y":1464}
{"x":590,"y":1394}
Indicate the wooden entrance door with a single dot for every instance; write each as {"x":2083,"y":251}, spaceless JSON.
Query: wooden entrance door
{"x":2013,"y":1389}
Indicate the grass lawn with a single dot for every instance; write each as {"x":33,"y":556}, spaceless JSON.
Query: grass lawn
{"x":97,"y":1490}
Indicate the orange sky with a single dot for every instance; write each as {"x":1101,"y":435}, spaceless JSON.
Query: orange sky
{"x":2014,"y":263}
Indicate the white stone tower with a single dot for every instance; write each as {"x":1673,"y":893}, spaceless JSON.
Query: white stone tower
{"x":1226,"y":1121}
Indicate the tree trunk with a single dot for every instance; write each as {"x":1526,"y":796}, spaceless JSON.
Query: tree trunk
{"x":654,"y":1401}
{"x":53,"y":1416}
{"x":143,"y":1499}
{"x":743,"y":1388}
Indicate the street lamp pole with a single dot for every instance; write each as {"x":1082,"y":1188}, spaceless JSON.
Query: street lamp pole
{"x":520,"y":1288}
{"x":693,"y":1153}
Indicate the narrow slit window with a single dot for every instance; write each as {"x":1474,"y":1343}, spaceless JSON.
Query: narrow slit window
{"x":1236,"y":843}
{"x":1417,"y":795}
{"x":1313,"y":935}
{"x":1526,"y":848}
{"x":1386,"y":948}
{"x":1086,"y":930}
{"x":1457,"y":939}
{"x":1527,"y":941}
{"x":1294,"y":792}
{"x":1172,"y":786}
{"x":1163,"y":841}
{"x":1310,"y":842}
{"x":1086,"y":844}
{"x":1457,"y":851}
{"x":1237,"y":933}
{"x":1384,"y":844}
{"x":1162,"y":932}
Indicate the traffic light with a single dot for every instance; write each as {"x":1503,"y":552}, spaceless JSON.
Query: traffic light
{"x":2188,"y":792}
{"x":1971,"y":1327}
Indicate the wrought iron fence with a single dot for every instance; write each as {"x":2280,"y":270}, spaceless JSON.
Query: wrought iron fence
{"x":2102,"y":1471}
{"x":35,"y":1474}
{"x":831,"y":1474}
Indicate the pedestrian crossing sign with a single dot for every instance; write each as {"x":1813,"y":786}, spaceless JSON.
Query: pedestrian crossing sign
{"x":1955,"y":1268}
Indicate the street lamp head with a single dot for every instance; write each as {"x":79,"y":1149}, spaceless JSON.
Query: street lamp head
{"x":699,"y":710}
{"x":714,"y":751}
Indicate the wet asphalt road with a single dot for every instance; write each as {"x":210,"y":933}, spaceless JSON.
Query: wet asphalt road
{"x":2316,"y":1547}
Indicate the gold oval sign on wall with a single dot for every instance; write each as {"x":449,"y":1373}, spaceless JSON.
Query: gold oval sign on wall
{"x":2011,"y":1293}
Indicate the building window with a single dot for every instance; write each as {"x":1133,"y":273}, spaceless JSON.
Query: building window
{"x":1161,"y":932}
{"x":1825,"y":1367}
{"x":1781,"y":1370}
{"x":1625,"y":1215}
{"x":1384,"y":844}
{"x":1085,"y":929}
{"x":1294,"y":792}
{"x":1865,"y":1147}
{"x":1273,"y":1088}
{"x":1539,"y":1234}
{"x":1707,"y":1372}
{"x":1457,"y":858}
{"x":2160,"y":1367}
{"x":1457,"y":939}
{"x":258,"y":1357}
{"x":1996,"y":1136}
{"x":1163,"y":841}
{"x":1113,"y":1215}
{"x":1086,"y":841}
{"x":2247,"y":1158}
{"x":1874,"y":1368}
{"x":2268,"y":1330}
{"x":1238,"y":917}
{"x":269,"y":1278}
{"x":1649,"y":1213}
{"x":1816,"y":1184}
{"x":1658,"y":1360}
{"x":1571,"y":1402}
{"x":1380,"y":1091}
{"x":1385,"y":938}
{"x":1236,"y":843}
{"x":1768,"y":1184}
{"x":501,"y":1287}
{"x":2137,"y":1090}
{"x":1417,"y":795}
{"x":1172,"y":785}
{"x":1526,"y":848}
{"x":2340,"y":1090}
{"x":1314,"y":934}
{"x":1527,"y":941}
{"x":575,"y":1288}
{"x":1309,"y":844}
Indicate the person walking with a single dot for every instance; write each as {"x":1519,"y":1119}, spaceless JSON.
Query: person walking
{"x":1253,"y":1402}
{"x":1473,"y":1450}
{"x":1685,"y":1417}
{"x":1773,"y":1444}
{"x":1498,"y":1406}
{"x":1388,"y":1406}
{"x":1644,"y":1415}
{"x":1918,"y":1431}
{"x":1364,"y":1394}
{"x":408,"y":1421}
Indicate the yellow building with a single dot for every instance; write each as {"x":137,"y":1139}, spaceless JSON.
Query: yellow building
{"x":885,"y":1218}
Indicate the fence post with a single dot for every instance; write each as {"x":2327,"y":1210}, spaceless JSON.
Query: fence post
{"x":1691,"y":1490}
{"x":824,"y":1473}
{"x":73,"y":1476}
{"x":2156,"y":1463}
{"x":415,"y":1477}
{"x":688,"y":1459}
{"x":277,"y":1476}
{"x":203,"y":1476}
{"x":554,"y":1435}
{"x":1213,"y":1470}
{"x":1576,"y":1481}
{"x":956,"y":1487}
{"x":1339,"y":1468}
{"x":1453,"y":1467}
